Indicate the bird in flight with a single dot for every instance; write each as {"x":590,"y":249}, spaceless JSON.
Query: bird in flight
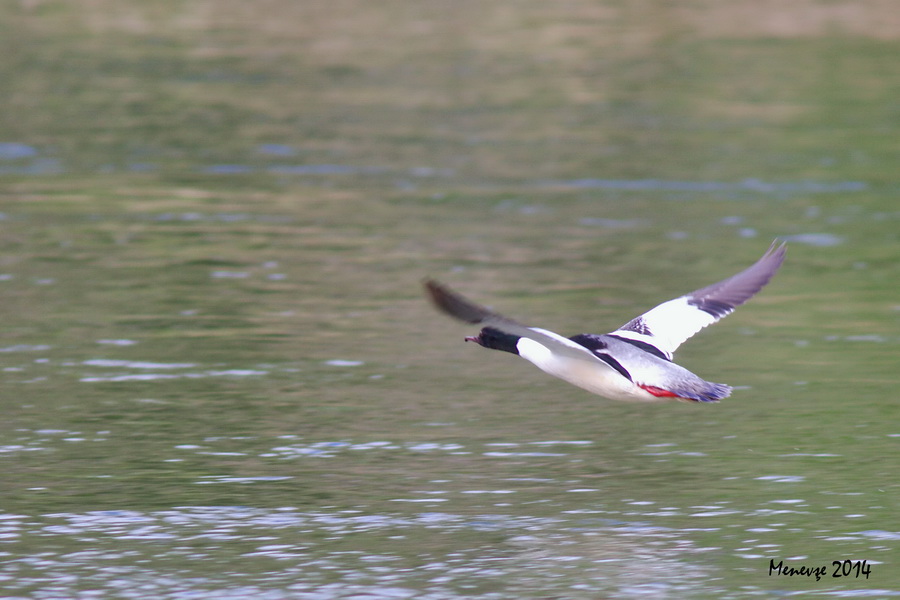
{"x":632,"y":363}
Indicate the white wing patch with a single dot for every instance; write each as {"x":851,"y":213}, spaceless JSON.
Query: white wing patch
{"x":671,"y":323}
{"x":667,"y":326}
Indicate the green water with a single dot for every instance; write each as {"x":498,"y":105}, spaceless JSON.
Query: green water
{"x":221,"y":378}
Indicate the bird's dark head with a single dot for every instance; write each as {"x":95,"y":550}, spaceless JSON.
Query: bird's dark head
{"x":496,"y":340}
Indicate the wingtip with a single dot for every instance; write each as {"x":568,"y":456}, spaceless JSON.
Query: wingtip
{"x":777,"y":247}
{"x":775,"y":254}
{"x":453,"y":304}
{"x":436,"y":292}
{"x":767,"y":265}
{"x":434,"y":289}
{"x":431,"y":285}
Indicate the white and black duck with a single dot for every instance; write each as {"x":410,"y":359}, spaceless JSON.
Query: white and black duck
{"x":634,"y":362}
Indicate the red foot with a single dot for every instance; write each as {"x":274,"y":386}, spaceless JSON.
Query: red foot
{"x":659,"y":392}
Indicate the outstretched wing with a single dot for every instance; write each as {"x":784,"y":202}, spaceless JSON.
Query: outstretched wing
{"x":668,"y":325}
{"x":461,"y":308}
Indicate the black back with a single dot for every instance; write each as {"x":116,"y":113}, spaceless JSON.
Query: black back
{"x":595,"y":344}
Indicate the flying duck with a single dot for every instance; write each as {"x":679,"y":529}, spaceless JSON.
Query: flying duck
{"x":632,"y":363}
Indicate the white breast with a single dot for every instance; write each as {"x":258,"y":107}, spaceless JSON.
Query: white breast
{"x":588,"y":373}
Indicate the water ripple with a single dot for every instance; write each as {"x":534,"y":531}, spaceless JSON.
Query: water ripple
{"x":663,"y":185}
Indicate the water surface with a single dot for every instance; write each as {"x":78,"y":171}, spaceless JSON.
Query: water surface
{"x":220,"y":376}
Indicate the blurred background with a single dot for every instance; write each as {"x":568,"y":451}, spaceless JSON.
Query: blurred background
{"x":220,"y":376}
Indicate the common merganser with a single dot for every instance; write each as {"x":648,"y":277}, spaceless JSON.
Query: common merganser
{"x":634,"y":362}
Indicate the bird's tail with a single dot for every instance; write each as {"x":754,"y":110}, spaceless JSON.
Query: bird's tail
{"x":712,"y":392}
